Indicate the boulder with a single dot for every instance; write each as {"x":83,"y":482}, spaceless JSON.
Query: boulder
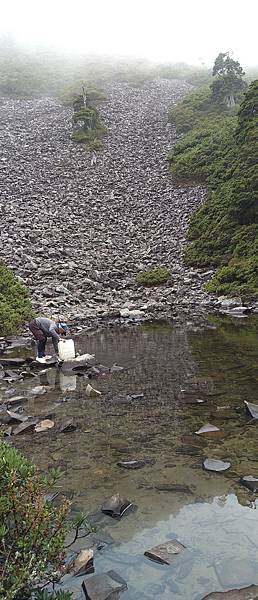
{"x":105,"y":586}
{"x":165,"y":553}
{"x":116,"y":506}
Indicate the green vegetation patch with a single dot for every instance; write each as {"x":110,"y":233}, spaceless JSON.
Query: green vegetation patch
{"x":15,"y":302}
{"x":32,"y":530}
{"x":221,"y":148}
{"x":155,"y":277}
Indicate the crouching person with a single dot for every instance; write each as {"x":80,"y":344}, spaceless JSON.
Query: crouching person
{"x":42,"y":328}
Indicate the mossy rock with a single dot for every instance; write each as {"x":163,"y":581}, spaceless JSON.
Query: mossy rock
{"x":152,"y":278}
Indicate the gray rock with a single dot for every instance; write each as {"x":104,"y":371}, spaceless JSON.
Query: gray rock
{"x":116,"y":506}
{"x":105,"y":586}
{"x":250,"y":482}
{"x":248,"y":593}
{"x":173,"y":487}
{"x":165,"y":553}
{"x":211,"y":464}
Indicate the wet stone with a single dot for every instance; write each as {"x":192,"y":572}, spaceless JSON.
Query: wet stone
{"x":12,"y":362}
{"x":135,"y":464}
{"x":44,"y":425}
{"x":250,"y":482}
{"x":173,"y":487}
{"x":105,"y":586}
{"x":208,"y":428}
{"x":236,"y":572}
{"x":218,"y":466}
{"x":83,"y":564}
{"x":67,"y":426}
{"x":15,"y":416}
{"x":16,"y":400}
{"x":116,"y":506}
{"x":24,"y":427}
{"x":165,"y":553}
{"x":251,"y":409}
{"x":247,"y":593}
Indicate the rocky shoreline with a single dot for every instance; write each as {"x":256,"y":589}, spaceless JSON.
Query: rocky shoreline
{"x":77,"y":234}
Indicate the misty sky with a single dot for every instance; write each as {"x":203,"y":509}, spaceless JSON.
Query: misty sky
{"x":163,"y":30}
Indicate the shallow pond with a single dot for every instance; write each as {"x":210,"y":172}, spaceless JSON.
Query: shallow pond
{"x":189,"y":377}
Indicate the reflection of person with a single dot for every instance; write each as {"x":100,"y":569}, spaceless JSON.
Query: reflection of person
{"x":42,"y":328}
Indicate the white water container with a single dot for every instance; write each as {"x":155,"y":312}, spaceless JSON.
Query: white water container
{"x":66,"y":349}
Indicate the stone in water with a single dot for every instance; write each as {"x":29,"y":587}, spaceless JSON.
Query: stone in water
{"x":252,"y":409}
{"x":90,"y":391}
{"x":165,"y":553}
{"x":44,"y":425}
{"x":250,"y":482}
{"x":116,"y":506}
{"x":212,"y":464}
{"x":83,"y":564}
{"x":207,"y":429}
{"x":247,"y":593}
{"x":105,"y":586}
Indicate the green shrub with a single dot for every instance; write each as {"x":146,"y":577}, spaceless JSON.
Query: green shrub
{"x":193,"y":108}
{"x":15,"y":303}
{"x":224,"y":231}
{"x":155,"y":277}
{"x":32,"y":530}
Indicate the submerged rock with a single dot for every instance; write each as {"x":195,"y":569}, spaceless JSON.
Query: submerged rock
{"x":173,"y":487}
{"x":38,"y":390}
{"x":24,"y":427}
{"x":247,"y":593}
{"x":12,"y":362}
{"x":135,"y":464}
{"x":83,"y":564}
{"x":165,"y":553}
{"x":105,"y":586}
{"x":250,"y":482}
{"x":116,"y":506}
{"x":67,"y":426}
{"x":218,"y":466}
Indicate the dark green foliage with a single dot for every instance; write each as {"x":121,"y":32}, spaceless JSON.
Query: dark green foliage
{"x":153,"y":278}
{"x":224,"y":232}
{"x":32,"y":530}
{"x":15,"y":303}
{"x":187,"y":113}
{"x":227,"y":85}
{"x":196,"y":154}
{"x":87,"y":116}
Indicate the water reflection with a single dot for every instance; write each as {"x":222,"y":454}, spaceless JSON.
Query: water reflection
{"x":188,"y":378}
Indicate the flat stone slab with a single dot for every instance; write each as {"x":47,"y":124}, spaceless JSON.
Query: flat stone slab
{"x":67,"y":426}
{"x":105,"y":586}
{"x":116,"y":506}
{"x":252,"y":409}
{"x":135,"y":464}
{"x":247,"y":593}
{"x":16,"y":400}
{"x":218,"y":466}
{"x":208,"y":428}
{"x":12,"y":362}
{"x":250,"y":482}
{"x":236,"y":572}
{"x":24,"y":427}
{"x":173,"y":487}
{"x":165,"y":553}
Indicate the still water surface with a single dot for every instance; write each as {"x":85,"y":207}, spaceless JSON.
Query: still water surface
{"x":188,"y":378}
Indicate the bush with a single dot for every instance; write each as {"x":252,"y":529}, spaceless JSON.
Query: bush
{"x":224,"y":231}
{"x":15,"y":303}
{"x":32,"y":530}
{"x":193,"y":108}
{"x":155,"y":277}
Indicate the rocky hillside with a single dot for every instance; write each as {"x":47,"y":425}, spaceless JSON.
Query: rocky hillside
{"x":78,"y":234}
